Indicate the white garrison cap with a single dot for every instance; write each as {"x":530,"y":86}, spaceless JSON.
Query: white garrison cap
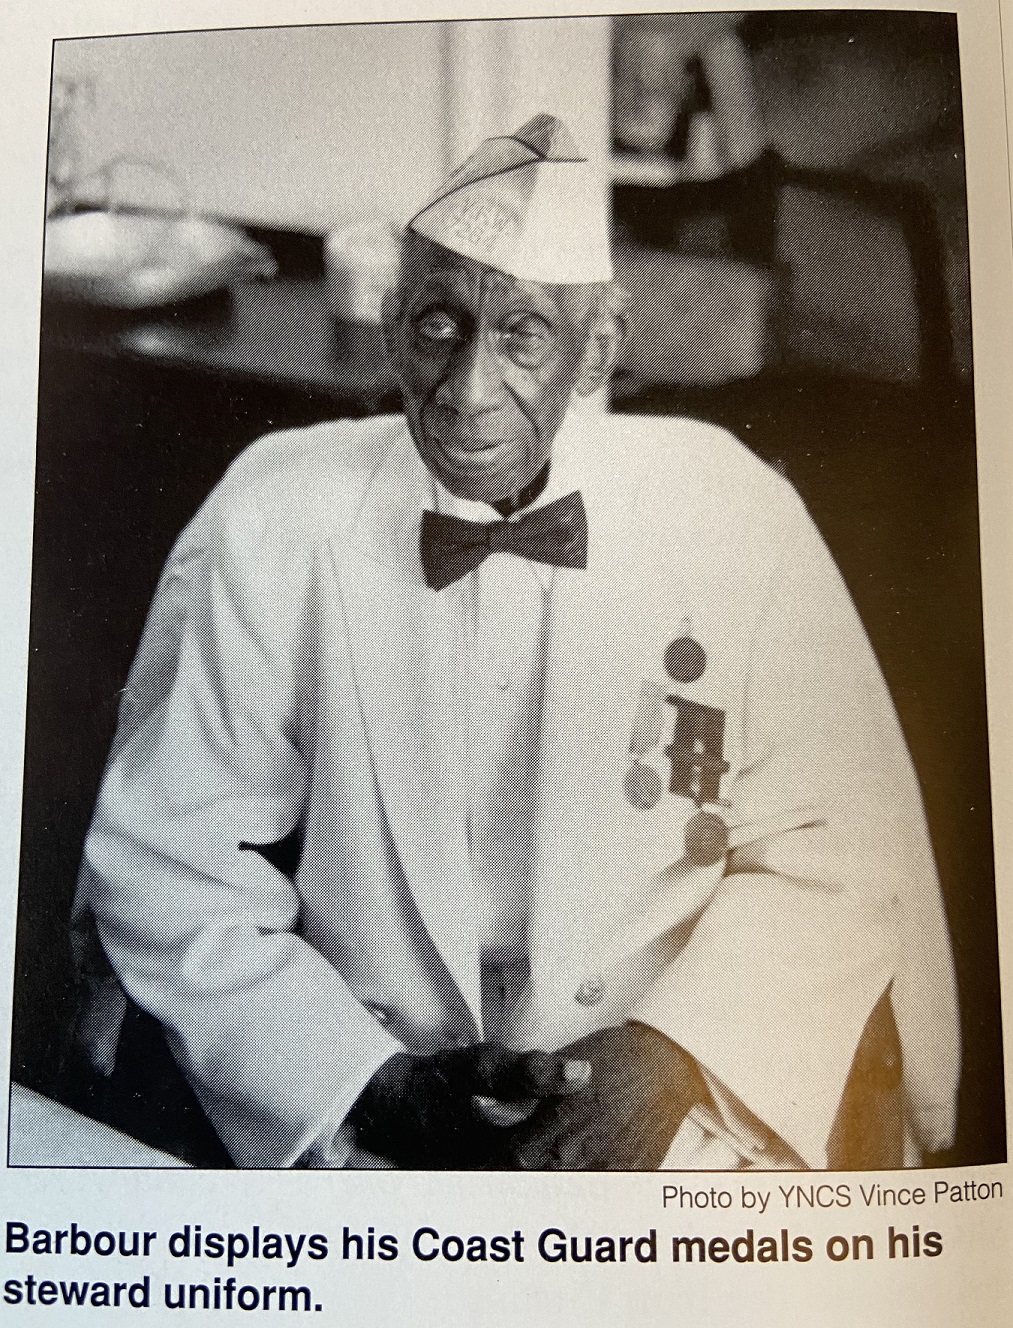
{"x":527,"y":204}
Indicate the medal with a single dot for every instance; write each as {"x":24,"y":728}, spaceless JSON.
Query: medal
{"x":696,"y":751}
{"x":685,"y":659}
{"x":697,"y":757}
{"x":706,"y":839}
{"x":643,"y":786}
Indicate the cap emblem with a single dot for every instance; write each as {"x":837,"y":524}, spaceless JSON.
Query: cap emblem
{"x":479,"y":220}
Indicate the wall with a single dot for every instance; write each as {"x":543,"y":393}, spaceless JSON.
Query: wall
{"x":877,"y":94}
{"x":289,"y":127}
{"x":303,"y":127}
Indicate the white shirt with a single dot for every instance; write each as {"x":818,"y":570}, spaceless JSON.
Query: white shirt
{"x":502,"y":614}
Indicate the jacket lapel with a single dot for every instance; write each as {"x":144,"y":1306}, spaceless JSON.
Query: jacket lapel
{"x":583,"y":744}
{"x":402,"y":641}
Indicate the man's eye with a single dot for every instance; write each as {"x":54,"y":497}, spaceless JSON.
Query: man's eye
{"x":437,"y":327}
{"x":527,"y":340}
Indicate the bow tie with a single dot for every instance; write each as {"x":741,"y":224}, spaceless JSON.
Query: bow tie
{"x":452,"y":547}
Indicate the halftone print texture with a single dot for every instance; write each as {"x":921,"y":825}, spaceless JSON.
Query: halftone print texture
{"x":655,"y":836}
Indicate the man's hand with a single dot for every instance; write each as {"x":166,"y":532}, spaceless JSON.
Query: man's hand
{"x":418,"y":1111}
{"x":642,"y":1085}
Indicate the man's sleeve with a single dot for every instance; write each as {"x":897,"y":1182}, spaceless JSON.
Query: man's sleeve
{"x":830,"y":893}
{"x":200,"y":930}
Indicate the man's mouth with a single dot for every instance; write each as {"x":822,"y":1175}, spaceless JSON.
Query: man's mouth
{"x":461,"y":437}
{"x":469,"y":444}
{"x":460,"y":447}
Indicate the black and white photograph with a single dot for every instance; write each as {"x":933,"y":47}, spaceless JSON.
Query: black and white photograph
{"x":506,"y":680}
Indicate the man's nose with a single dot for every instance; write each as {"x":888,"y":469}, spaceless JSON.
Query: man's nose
{"x":474,"y":383}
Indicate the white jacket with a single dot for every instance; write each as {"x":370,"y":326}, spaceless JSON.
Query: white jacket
{"x":290,"y":675}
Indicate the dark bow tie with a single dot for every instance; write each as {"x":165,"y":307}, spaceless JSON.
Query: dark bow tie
{"x":452,"y":547}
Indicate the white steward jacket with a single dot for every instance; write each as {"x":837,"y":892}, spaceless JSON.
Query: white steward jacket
{"x":292,"y":674}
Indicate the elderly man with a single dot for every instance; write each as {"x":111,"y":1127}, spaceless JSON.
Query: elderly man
{"x":612,"y":856}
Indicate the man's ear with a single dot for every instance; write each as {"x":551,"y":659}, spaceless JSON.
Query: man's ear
{"x":605,"y":337}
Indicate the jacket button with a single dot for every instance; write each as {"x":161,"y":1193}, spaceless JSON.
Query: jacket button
{"x":589,"y":992}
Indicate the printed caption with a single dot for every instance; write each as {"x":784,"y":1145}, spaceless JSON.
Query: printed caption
{"x":258,"y":1269}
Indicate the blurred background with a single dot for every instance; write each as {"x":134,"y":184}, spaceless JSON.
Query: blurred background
{"x":789,"y":211}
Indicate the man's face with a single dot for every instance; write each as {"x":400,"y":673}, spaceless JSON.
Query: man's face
{"x":487,"y":364}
